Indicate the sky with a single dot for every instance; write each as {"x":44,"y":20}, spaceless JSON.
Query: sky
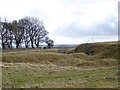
{"x":69,"y":21}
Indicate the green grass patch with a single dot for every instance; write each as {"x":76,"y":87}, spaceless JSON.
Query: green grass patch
{"x":27,"y":75}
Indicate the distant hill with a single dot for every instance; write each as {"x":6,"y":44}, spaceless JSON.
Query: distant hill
{"x":65,"y":45}
{"x":100,"y":49}
{"x":62,"y":45}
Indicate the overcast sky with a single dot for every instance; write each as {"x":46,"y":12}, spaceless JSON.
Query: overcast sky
{"x":69,"y":21}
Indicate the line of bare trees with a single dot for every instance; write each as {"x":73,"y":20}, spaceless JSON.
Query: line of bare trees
{"x":28,"y":31}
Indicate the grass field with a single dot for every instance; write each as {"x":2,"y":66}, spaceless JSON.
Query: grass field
{"x":59,"y":68}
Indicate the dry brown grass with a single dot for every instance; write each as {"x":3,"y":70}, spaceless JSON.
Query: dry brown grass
{"x":73,"y":59}
{"x":100,"y":50}
{"x":56,"y":68}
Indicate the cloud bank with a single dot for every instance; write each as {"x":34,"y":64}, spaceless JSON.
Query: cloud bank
{"x":68,"y":21}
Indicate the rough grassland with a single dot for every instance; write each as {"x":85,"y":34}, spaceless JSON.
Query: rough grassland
{"x":43,"y":75}
{"x":59,"y":68}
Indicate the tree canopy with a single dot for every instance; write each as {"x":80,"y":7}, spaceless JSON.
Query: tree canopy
{"x":28,"y":31}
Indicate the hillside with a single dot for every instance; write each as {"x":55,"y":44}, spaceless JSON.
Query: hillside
{"x":61,"y":67}
{"x":100,"y":50}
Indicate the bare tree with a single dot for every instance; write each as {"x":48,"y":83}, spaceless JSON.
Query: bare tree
{"x":50,"y":43}
{"x":1,"y":31}
{"x":18,"y":33}
{"x":4,"y":33}
{"x":40,"y":33}
{"x":24,"y":23}
{"x":28,"y":31}
{"x":36,"y":31}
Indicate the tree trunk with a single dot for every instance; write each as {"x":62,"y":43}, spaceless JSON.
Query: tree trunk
{"x":17,"y":44}
{"x":26,"y":46}
{"x":32,"y":44}
{"x":37,"y":43}
{"x":3,"y":46}
{"x":11,"y":43}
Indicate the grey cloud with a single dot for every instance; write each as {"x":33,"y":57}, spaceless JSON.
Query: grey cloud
{"x":99,"y":29}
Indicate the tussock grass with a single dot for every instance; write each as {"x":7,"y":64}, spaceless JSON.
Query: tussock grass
{"x":54,"y":76}
{"x":55,"y":57}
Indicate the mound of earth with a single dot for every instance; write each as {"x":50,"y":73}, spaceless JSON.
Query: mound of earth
{"x":101,"y":49}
